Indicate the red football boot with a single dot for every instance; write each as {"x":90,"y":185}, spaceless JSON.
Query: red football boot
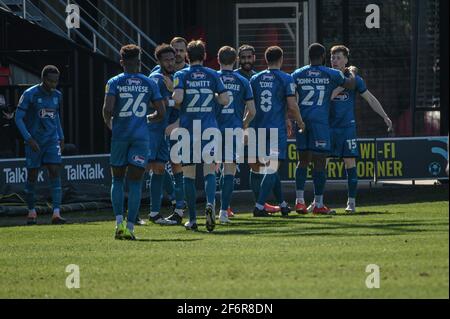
{"x":324,"y":210}
{"x":271,"y":209}
{"x":301,"y":208}
{"x":230,"y":212}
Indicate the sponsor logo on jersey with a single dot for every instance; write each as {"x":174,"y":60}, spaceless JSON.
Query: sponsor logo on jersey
{"x":198,"y":76}
{"x":343,"y":96}
{"x":314,"y":73}
{"x":267,"y":77}
{"x":321,"y":144}
{"x":134,"y":81}
{"x":47,"y":114}
{"x":227,"y":78}
{"x":139,"y":159}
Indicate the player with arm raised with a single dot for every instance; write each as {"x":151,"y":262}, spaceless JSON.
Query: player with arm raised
{"x":274,"y":93}
{"x":315,"y":85}
{"x":37,"y":118}
{"x":343,"y":122}
{"x":195,"y":90}
{"x":236,"y":115}
{"x":126,"y":113}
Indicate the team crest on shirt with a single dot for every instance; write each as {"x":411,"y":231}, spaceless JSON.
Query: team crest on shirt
{"x":134,"y":81}
{"x":39,"y":100}
{"x":342,"y":97}
{"x":139,"y":159}
{"x":176,"y":81}
{"x":55,"y":100}
{"x":198,"y":76}
{"x":321,"y":144}
{"x":227,"y":78}
{"x":267,"y":77}
{"x":47,"y":114}
{"x":313,"y":73}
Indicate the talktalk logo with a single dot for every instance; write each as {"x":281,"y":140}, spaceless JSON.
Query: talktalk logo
{"x":134,"y":81}
{"x":314,"y":73}
{"x":19,"y":175}
{"x":198,"y":76}
{"x":47,"y":114}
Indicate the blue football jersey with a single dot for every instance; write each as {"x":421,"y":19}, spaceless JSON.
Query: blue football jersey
{"x":270,"y":89}
{"x":315,"y":85}
{"x":157,"y":68}
{"x":342,"y":111}
{"x":200,"y":84}
{"x":231,"y":115}
{"x":241,"y":73}
{"x":37,"y":115}
{"x":158,"y":77}
{"x":133,"y":94}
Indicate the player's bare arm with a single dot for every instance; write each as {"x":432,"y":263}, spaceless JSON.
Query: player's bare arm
{"x":172,"y":127}
{"x":294,"y":112}
{"x":249,"y":115}
{"x":160,"y":112}
{"x":223,"y":98}
{"x":108,"y":107}
{"x":178,"y":96}
{"x":377,"y":107}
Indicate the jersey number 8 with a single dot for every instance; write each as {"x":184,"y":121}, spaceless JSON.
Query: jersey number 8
{"x":266,"y":100}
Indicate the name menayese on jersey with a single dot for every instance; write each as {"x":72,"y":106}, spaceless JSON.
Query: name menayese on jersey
{"x":132,"y":88}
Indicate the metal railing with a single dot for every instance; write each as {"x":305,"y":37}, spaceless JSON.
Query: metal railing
{"x":110,"y":36}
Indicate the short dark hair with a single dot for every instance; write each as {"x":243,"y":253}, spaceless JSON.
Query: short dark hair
{"x":177,"y":40}
{"x":316,"y":51}
{"x":340,"y":48}
{"x":163,"y":48}
{"x":129,"y":52}
{"x":227,"y":55}
{"x":273,"y":54}
{"x":246,"y":47}
{"x":49,"y":69}
{"x":196,"y":50}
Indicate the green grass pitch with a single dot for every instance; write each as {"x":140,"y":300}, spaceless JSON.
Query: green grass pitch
{"x":297,"y":257}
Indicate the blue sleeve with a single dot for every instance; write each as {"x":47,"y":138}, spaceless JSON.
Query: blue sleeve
{"x":220,"y":88}
{"x":162,"y":86}
{"x":178,"y":80}
{"x":156,"y":95}
{"x":22,"y":109}
{"x":360,"y":85}
{"x":248,"y":94}
{"x":338,"y":78}
{"x":111,"y":87}
{"x":289,"y":86}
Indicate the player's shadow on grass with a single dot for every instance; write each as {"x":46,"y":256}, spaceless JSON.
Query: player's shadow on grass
{"x":167,"y":240}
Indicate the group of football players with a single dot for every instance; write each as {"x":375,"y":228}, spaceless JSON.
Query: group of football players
{"x":147,"y":115}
